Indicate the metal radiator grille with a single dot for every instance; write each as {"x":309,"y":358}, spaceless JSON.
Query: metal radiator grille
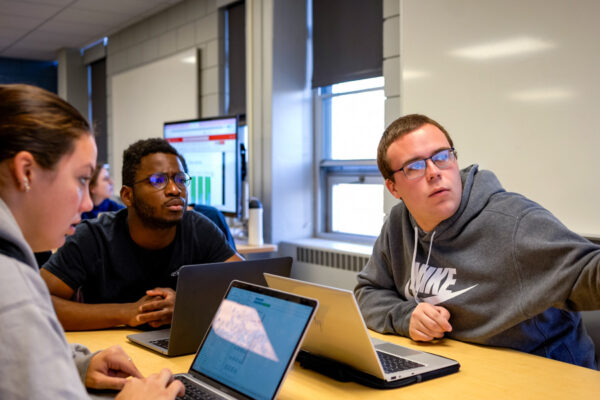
{"x":344,"y":261}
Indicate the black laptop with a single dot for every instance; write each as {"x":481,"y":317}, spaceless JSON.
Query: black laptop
{"x":200,"y":289}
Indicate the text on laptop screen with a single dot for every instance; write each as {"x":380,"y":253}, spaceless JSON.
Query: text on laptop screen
{"x":210,"y":149}
{"x":251,"y":341}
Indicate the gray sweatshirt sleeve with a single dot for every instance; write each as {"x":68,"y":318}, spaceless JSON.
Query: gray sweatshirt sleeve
{"x":81,"y":357}
{"x":380,"y":302}
{"x":555,"y":265}
{"x":36,"y":361}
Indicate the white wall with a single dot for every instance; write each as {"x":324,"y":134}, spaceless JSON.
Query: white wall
{"x":529,"y":115}
{"x":160,"y":91}
{"x":189,"y":24}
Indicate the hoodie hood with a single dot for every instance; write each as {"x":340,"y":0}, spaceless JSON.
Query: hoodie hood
{"x":478,"y":186}
{"x":11,"y":233}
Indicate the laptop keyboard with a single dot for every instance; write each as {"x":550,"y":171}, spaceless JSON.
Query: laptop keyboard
{"x":391,"y":363}
{"x":193,"y":391}
{"x":164,"y":343}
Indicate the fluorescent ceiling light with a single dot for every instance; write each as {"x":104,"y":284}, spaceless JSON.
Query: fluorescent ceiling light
{"x":189,"y":60}
{"x":505,"y":48}
{"x":542,"y":95}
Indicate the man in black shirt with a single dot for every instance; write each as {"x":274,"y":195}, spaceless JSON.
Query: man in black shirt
{"x":117,"y":269}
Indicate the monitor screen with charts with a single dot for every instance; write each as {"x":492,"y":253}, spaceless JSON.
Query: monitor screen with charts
{"x":210,"y":147}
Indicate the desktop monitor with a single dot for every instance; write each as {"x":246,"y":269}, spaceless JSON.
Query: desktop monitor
{"x":210,"y":147}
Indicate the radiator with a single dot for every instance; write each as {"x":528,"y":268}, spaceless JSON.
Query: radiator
{"x":325,"y":261}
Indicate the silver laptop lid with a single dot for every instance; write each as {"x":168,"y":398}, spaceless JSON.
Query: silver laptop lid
{"x":338,"y":331}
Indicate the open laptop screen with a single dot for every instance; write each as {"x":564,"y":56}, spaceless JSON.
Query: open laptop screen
{"x":251,"y":341}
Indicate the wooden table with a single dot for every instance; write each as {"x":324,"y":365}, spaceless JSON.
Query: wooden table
{"x":485,"y":373}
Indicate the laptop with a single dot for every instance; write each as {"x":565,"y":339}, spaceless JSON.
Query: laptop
{"x":339,"y":334}
{"x":250,"y":345}
{"x":200,"y":288}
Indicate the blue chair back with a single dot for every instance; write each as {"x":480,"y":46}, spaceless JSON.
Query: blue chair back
{"x":217,"y":217}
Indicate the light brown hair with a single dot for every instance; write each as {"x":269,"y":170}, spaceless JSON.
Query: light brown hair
{"x":35,"y":120}
{"x":396,"y":130}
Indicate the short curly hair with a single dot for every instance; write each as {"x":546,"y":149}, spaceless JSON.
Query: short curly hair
{"x":132,"y":157}
{"x":395,"y":131}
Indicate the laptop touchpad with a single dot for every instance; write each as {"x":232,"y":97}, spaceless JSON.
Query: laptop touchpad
{"x":396,"y":350}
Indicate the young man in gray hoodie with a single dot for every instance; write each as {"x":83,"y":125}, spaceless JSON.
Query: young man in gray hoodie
{"x":503,"y":271}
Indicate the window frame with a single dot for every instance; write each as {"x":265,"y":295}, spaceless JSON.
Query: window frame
{"x":328,"y":172}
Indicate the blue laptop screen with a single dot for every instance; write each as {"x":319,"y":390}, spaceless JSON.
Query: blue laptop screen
{"x":251,"y":340}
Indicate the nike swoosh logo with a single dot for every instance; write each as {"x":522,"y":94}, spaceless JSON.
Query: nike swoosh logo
{"x":442,"y":297}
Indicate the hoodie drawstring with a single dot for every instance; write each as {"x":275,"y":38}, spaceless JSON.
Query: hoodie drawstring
{"x":414,"y":274}
{"x":413,"y":267}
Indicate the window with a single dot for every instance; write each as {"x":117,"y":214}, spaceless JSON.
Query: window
{"x":94,"y":58}
{"x":349,"y":123}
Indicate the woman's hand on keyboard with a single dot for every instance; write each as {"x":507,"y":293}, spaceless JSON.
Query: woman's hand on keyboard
{"x":110,"y":368}
{"x":158,"y":386}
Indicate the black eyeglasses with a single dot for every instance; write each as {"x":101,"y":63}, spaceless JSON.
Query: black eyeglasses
{"x":161,"y":180}
{"x":416,"y":169}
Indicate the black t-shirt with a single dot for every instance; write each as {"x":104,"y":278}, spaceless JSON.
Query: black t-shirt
{"x":104,"y":262}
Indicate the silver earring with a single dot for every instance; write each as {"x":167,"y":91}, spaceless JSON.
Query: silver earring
{"x":26,"y":184}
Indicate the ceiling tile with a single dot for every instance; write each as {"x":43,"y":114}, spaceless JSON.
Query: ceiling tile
{"x":50,"y":45}
{"x":51,"y":38}
{"x":51,"y":2}
{"x":86,"y":17}
{"x":108,"y":19}
{"x":72,"y":28}
{"x":129,"y":7}
{"x":36,"y":29}
{"x":4,"y":42}
{"x":12,"y":34}
{"x":28,"y":9}
{"x":17,"y":21}
{"x":29,"y":54}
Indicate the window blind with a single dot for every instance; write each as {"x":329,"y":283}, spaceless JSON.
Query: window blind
{"x":347,"y":40}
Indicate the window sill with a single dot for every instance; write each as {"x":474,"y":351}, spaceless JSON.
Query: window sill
{"x":361,"y":249}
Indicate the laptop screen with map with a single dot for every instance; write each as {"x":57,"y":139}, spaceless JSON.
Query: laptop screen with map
{"x":252,"y":341}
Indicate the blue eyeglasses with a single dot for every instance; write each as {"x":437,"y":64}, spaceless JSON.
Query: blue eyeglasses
{"x":416,"y":169}
{"x":161,"y":180}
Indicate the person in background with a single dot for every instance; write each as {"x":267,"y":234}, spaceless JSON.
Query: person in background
{"x":120,"y":269}
{"x":460,"y":257}
{"x":47,"y":156}
{"x":101,"y":191}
